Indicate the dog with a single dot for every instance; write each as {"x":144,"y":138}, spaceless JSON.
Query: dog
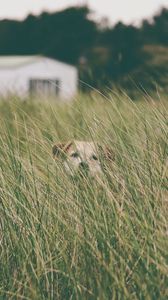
{"x":82,"y":157}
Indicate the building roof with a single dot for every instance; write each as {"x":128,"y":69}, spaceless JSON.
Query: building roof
{"x":15,"y":61}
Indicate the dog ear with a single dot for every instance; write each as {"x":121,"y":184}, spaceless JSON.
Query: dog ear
{"x":60,"y":149}
{"x":106,"y":152}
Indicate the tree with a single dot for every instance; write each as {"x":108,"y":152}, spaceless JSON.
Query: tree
{"x":63,"y":35}
{"x":156,"y":31}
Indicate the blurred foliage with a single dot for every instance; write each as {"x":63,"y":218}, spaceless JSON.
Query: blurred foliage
{"x":104,"y":54}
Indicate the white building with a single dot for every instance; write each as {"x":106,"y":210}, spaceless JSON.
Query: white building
{"x":37,"y":75}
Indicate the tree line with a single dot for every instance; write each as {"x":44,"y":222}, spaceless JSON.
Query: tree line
{"x":102,"y":52}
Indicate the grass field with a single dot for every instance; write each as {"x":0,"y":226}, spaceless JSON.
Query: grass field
{"x":84,"y":239}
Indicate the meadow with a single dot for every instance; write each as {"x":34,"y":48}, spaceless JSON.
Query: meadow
{"x":84,"y":239}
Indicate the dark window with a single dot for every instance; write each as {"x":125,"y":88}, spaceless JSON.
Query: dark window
{"x":57,"y":87}
{"x":44,"y":87}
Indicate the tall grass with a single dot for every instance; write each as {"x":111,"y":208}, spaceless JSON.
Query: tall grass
{"x":84,"y":239}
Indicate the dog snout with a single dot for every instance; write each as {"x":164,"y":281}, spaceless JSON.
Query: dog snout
{"x":84,"y":165}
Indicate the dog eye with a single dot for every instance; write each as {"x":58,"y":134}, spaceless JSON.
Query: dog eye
{"x":94,"y":157}
{"x":75,"y":154}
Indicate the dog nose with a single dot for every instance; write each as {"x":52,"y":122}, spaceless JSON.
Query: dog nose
{"x":84,"y":165}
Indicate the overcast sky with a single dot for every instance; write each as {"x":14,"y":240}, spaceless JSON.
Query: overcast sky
{"x":126,"y":10}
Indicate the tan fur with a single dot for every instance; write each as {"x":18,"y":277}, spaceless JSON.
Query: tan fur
{"x":60,"y":148}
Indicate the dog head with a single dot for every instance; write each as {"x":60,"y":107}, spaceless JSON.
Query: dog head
{"x":82,"y":157}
